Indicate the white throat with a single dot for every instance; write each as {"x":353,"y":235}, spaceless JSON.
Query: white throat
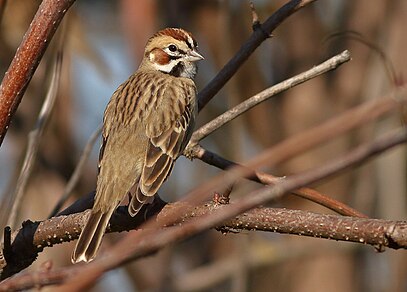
{"x":177,"y":68}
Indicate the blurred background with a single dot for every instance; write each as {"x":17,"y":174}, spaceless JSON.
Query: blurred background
{"x":104,"y":41}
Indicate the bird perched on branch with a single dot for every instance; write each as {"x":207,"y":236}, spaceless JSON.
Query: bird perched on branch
{"x":146,"y":126}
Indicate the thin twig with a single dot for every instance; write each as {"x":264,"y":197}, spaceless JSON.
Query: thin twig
{"x":77,"y":172}
{"x":27,"y":58}
{"x":394,"y":78}
{"x":231,"y":114}
{"x":257,"y":37}
{"x":307,"y":139}
{"x":268,"y":179}
{"x":34,"y":139}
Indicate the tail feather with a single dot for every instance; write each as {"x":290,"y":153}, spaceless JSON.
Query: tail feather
{"x":91,"y":236}
{"x":137,"y":202}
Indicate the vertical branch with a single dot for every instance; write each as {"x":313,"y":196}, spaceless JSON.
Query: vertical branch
{"x":27,"y":58}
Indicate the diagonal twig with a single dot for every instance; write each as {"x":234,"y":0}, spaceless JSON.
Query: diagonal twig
{"x":308,"y":139}
{"x":34,"y":139}
{"x":231,"y":114}
{"x":260,"y":34}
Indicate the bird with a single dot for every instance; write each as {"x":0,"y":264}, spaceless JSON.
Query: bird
{"x":146,"y":126}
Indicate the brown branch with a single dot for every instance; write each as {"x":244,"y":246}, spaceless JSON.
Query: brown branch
{"x":260,"y":34}
{"x":386,"y":233}
{"x":380,"y":233}
{"x":375,"y":232}
{"x":251,"y":102}
{"x":26,"y":243}
{"x":151,"y":238}
{"x":27,"y":58}
{"x":268,"y":179}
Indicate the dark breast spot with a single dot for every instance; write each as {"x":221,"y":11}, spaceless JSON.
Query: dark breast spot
{"x":177,"y":70}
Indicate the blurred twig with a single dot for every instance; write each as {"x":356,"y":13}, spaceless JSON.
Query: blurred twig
{"x":259,"y":35}
{"x":388,"y":64}
{"x":27,"y":58}
{"x":261,"y":254}
{"x":34,"y":140}
{"x":226,"y":217}
{"x":77,"y":172}
{"x":231,"y":114}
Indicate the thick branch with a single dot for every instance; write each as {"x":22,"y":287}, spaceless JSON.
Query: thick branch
{"x":152,"y":237}
{"x":33,"y":237}
{"x":385,"y":233}
{"x":379,"y":233}
{"x":27,"y":58}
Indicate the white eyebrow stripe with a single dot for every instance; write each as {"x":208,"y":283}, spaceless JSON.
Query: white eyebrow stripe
{"x":191,"y":41}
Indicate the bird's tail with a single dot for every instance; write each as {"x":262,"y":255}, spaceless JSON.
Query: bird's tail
{"x":91,"y":236}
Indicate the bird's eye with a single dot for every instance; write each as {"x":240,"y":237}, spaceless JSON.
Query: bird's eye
{"x":172,"y":48}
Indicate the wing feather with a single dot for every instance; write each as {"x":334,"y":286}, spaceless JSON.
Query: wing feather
{"x":167,"y":138}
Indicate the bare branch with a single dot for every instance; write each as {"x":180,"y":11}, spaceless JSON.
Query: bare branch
{"x":27,"y":58}
{"x":268,"y":179}
{"x":34,"y":139}
{"x":258,"y":36}
{"x":152,"y":237}
{"x":376,"y":232}
{"x":386,"y":233}
{"x":251,"y":102}
{"x":24,"y":245}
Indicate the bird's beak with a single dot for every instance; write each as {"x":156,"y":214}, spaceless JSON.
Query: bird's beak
{"x":194,"y":56}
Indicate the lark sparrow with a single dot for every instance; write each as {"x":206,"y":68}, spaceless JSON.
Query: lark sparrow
{"x":146,"y":126}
